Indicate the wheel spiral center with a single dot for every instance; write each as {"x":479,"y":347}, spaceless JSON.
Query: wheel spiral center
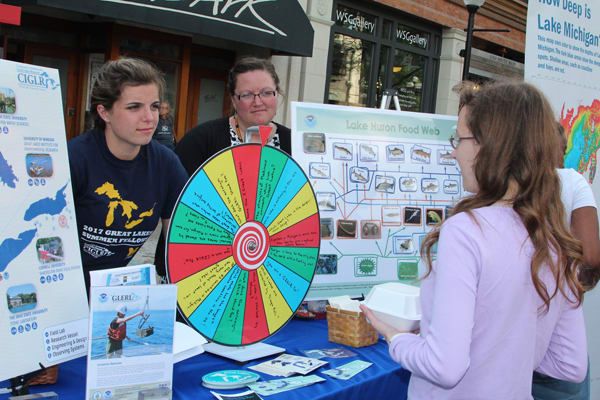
{"x":251,"y":245}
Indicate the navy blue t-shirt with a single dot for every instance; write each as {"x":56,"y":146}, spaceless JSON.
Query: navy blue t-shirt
{"x":118,"y":203}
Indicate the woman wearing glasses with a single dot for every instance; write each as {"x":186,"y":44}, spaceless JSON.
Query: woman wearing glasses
{"x":502,"y":299}
{"x":253,"y":86}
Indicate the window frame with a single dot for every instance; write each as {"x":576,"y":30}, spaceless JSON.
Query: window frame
{"x":431,"y":54}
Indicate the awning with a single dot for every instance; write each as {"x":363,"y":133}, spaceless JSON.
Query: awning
{"x":10,"y":14}
{"x":280,"y":25}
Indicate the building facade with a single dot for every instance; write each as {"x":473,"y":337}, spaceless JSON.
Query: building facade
{"x":413,"y":46}
{"x":193,"y":42}
{"x":325,"y":51}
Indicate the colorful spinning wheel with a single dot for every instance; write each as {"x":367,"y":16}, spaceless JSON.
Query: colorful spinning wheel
{"x":243,"y":244}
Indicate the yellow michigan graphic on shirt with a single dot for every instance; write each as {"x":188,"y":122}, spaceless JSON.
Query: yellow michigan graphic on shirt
{"x":127,"y":207}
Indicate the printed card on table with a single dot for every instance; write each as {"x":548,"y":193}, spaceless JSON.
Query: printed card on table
{"x":247,"y":395}
{"x":287,"y":365}
{"x":336,"y":352}
{"x":347,"y":371}
{"x":275,"y":386}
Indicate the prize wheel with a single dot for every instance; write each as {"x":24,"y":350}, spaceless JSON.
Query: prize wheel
{"x":243,"y":244}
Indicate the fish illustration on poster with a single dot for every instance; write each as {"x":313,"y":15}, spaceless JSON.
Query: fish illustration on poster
{"x":383,"y":180}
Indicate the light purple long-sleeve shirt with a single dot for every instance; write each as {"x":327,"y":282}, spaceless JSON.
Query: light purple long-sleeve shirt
{"x":481,"y":332}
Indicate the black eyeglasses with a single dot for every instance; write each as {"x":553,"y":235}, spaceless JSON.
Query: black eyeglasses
{"x":455,"y":141}
{"x":249,"y":97}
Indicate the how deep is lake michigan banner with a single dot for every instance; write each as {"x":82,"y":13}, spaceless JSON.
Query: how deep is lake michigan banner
{"x":562,"y":58}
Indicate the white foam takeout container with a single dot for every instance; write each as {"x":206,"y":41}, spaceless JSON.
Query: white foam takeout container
{"x":397,"y":304}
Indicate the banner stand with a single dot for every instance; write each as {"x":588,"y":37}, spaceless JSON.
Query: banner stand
{"x":18,"y":384}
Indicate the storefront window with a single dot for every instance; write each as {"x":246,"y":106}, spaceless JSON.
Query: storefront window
{"x":355,"y":20}
{"x":386,"y":32}
{"x":384,"y":57}
{"x":62,"y":65}
{"x":150,"y":48}
{"x":210,"y":102}
{"x":407,"y":78}
{"x":164,"y":55}
{"x":412,"y":37}
{"x":351,"y":65}
{"x":378,"y":48}
{"x":171,"y":71}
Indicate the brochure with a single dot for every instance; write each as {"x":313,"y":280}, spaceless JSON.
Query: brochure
{"x":287,"y":365}
{"x":131,"y":334}
{"x":135,"y":275}
{"x":187,"y":342}
{"x":347,"y":371}
{"x":336,"y":352}
{"x":275,"y":386}
{"x":247,"y":395}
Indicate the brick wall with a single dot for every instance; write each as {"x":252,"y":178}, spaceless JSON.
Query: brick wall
{"x":494,"y":14}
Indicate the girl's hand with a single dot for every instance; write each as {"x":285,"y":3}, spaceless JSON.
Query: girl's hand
{"x":386,"y":330}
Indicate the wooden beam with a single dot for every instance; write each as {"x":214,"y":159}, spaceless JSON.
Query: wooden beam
{"x":184,"y":78}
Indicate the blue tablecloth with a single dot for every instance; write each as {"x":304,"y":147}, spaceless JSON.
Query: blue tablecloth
{"x":383,"y":380}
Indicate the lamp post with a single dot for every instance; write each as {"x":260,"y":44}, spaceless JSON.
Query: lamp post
{"x":472,"y":7}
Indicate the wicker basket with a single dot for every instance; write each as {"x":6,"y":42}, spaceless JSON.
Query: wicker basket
{"x":48,"y":376}
{"x":350,"y":328}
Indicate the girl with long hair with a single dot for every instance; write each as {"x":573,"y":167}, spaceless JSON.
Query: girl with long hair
{"x":123,"y":182}
{"x":502,"y":299}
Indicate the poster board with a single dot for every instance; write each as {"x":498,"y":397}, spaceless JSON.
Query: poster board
{"x":44,"y":305}
{"x":562,"y":58}
{"x":382,"y":180}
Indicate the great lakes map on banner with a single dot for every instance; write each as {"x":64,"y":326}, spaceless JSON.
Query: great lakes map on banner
{"x":43,"y":306}
{"x":582,"y":127}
